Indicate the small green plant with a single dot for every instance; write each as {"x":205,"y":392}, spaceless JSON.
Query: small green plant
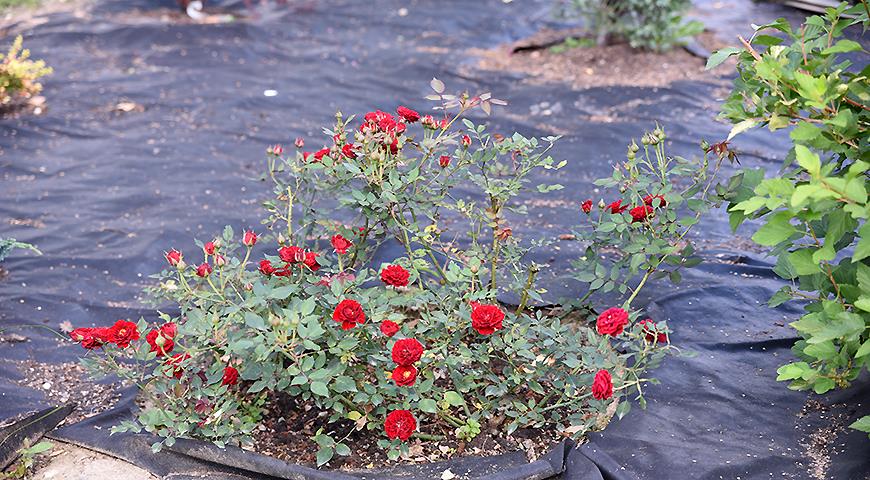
{"x":9,"y":244}
{"x":649,"y":24}
{"x":21,"y":469}
{"x":814,"y":212}
{"x":572,"y":42}
{"x":19,"y":74}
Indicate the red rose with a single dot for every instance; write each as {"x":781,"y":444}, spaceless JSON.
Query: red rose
{"x":208,"y":248}
{"x":486,"y":319}
{"x":311,"y":261}
{"x":231,"y":376}
{"x":395,"y":275}
{"x":616,"y":207}
{"x":406,"y":351}
{"x":640,"y":213}
{"x":203,"y":270}
{"x":266,"y":267}
{"x":652,"y":333}
{"x":602,"y":385}
{"x":318,"y":155}
{"x":466,"y":141}
{"x":249,"y":239}
{"x":586,"y":206}
{"x":394,"y":147}
{"x":161,"y":340}
{"x":305,"y":156}
{"x":349,"y":313}
{"x":400,"y":424}
{"x":300,"y":142}
{"x":340,"y":244}
{"x":444,"y":161}
{"x":123,"y":332}
{"x":275,"y":150}
{"x":173,"y":257}
{"x":348,"y":151}
{"x":405,"y":376}
{"x":175,"y":363}
{"x":409,"y":115}
{"x":90,"y":338}
{"x":612,"y":321}
{"x":291,"y":254}
{"x":389,"y":328}
{"x":657,"y":201}
{"x":429,"y":122}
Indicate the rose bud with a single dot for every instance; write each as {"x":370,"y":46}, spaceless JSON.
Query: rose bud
{"x":466,"y":141}
{"x":300,"y":142}
{"x":249,"y":239}
{"x":208,"y":248}
{"x":277,"y":150}
{"x":203,"y":270}
{"x":586,"y":206}
{"x":429,"y":122}
{"x":444,"y":161}
{"x":220,"y":261}
{"x":173,"y":257}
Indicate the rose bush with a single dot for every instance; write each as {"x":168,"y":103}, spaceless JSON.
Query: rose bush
{"x":419,"y":347}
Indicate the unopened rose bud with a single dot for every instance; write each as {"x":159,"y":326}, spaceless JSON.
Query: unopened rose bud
{"x":173,"y":257}
{"x":203,"y":270}
{"x":474,"y":269}
{"x":466,"y":141}
{"x":300,"y":142}
{"x":249,"y":239}
{"x":644,"y":140}
{"x":633,"y":147}
{"x":281,"y":239}
{"x":209,"y":248}
{"x":444,"y":161}
{"x":601,"y":203}
{"x":705,"y":145}
{"x":277,"y":149}
{"x":249,"y":286}
{"x":220,"y":261}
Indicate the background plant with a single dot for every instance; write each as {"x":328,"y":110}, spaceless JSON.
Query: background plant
{"x":19,"y":74}
{"x":649,"y":24}
{"x":9,"y":244}
{"x":814,"y":212}
{"x":421,"y":339}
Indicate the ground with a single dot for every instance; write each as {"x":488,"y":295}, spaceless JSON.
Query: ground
{"x":68,"y":462}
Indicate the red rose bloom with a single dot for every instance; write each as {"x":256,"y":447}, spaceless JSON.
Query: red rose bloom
{"x":389,"y":328}
{"x":90,"y":338}
{"x":208,"y":248}
{"x":203,"y":270}
{"x":400,"y":424}
{"x":291,"y":254}
{"x":640,"y":213}
{"x":612,"y":321}
{"x":405,"y":376}
{"x":123,"y":332}
{"x":249,"y":239}
{"x":586,"y":206}
{"x":311,"y":261}
{"x":616,"y":207}
{"x":656,"y":201}
{"x":486,"y":319}
{"x":266,"y":267}
{"x":173,"y":257}
{"x":652,"y":333}
{"x":406,"y":351}
{"x":407,"y":114}
{"x":349,"y":313}
{"x":602,"y":385}
{"x":318,"y":155}
{"x":340,"y":244}
{"x":348,"y":151}
{"x":466,"y":141}
{"x":395,"y":275}
{"x":444,"y":161}
{"x":161,"y":340}
{"x":231,"y":376}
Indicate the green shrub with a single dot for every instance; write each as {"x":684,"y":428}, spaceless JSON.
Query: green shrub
{"x":815,"y":211}
{"x":19,"y":74}
{"x":649,"y":24}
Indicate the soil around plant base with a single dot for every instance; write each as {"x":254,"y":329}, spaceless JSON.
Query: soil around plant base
{"x":597,"y":66}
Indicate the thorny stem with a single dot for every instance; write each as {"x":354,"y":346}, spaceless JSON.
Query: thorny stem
{"x":524,"y":298}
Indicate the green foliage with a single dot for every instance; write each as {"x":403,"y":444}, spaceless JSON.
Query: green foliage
{"x":815,"y":211}
{"x":21,"y":469}
{"x":19,"y":74}
{"x":9,"y":244}
{"x":649,"y":24}
{"x":662,"y":198}
{"x":278,"y":329}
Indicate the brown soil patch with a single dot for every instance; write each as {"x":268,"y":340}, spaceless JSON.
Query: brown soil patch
{"x":597,"y":66}
{"x":69,"y":382}
{"x":819,"y":443}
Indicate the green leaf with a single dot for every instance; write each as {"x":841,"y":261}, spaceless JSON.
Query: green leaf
{"x":862,"y":249}
{"x":342,"y":450}
{"x":808,"y":160}
{"x":254,"y":321}
{"x":844,"y":325}
{"x":428,"y":405}
{"x":720,"y":56}
{"x":324,"y":455}
{"x":822,"y":385}
{"x":741,"y":127}
{"x":803,"y":262}
{"x":319,"y":388}
{"x":863,"y":424}
{"x":775,"y":231}
{"x":453,"y":398}
{"x":805,"y":132}
{"x":843,"y":46}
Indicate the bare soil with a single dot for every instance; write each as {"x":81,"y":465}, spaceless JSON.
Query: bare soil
{"x":69,"y":462}
{"x":597,"y":66}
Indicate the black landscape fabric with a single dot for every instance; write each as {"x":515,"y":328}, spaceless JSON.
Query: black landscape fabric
{"x":104,"y":192}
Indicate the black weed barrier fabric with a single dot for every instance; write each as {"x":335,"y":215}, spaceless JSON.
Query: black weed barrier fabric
{"x":104,"y":193}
